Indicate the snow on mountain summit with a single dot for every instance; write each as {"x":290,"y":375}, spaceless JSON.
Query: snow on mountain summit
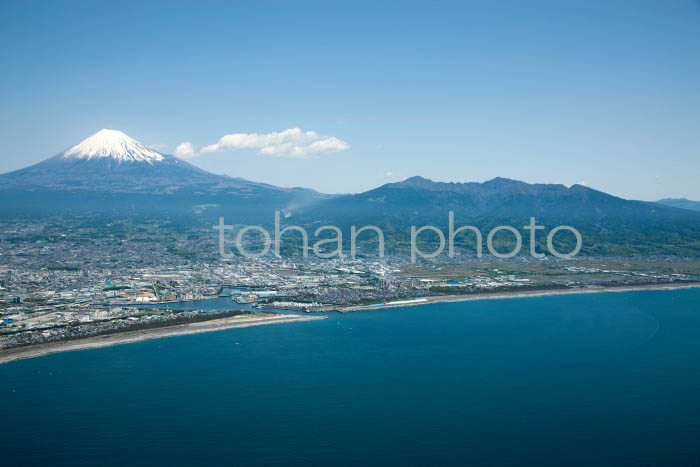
{"x":113,"y":144}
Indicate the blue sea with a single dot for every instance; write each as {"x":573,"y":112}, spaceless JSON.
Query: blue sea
{"x":588,"y":380}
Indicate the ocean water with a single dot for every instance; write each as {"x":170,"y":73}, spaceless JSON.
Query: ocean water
{"x":588,"y":380}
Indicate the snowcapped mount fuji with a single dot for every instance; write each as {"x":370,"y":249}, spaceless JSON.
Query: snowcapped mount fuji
{"x":111,"y":169}
{"x":115,"y":145}
{"x":109,"y":160}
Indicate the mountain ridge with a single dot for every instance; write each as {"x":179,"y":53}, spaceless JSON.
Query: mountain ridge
{"x":110,"y":173}
{"x":681,"y":203}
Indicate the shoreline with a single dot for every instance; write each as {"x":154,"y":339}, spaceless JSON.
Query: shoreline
{"x":422,"y":301}
{"x":128,"y":337}
{"x":242,"y":321}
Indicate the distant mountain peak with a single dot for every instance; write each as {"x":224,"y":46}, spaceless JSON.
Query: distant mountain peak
{"x":416,"y":182}
{"x":417,"y":178}
{"x":682,"y":203}
{"x":115,"y":145}
{"x":503,"y":180}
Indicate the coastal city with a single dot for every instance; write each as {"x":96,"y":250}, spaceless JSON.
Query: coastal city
{"x":117,"y":277}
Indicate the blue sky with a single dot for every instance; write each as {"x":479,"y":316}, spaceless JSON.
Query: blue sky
{"x":601,"y":92}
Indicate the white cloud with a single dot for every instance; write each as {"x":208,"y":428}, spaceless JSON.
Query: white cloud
{"x":326,"y":145}
{"x":293,"y":142}
{"x":389,"y":174}
{"x":185,"y":150}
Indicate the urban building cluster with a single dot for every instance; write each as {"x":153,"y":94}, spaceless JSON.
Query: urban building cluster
{"x":103,"y":278}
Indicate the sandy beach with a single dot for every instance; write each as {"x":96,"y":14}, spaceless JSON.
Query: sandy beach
{"x":515,"y":294}
{"x":258,"y":320}
{"x":127,"y":337}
